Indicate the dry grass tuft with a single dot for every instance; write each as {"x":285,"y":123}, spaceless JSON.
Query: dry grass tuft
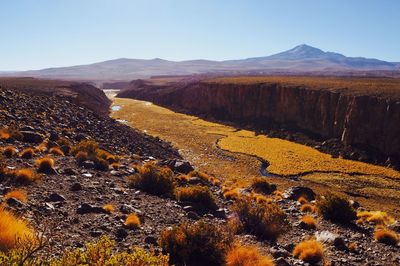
{"x":262,"y":199}
{"x":200,"y":243}
{"x":336,"y":208}
{"x":386,"y":236}
{"x":310,"y":251}
{"x":199,"y":196}
{"x":9,"y":151}
{"x":205,"y":177}
{"x":4,"y":134}
{"x":352,"y":247}
{"x":56,"y":151}
{"x":109,"y":208}
{"x":27,"y":153}
{"x":182,"y":178}
{"x":266,"y":221}
{"x":308,"y":222}
{"x":18,"y":194}
{"x":154,"y":179}
{"x":247,"y":255}
{"x":45,"y":165}
{"x":115,"y":166}
{"x":13,"y":230}
{"x":25,"y":176}
{"x":261,"y":185}
{"x":132,"y":221}
{"x":81,"y":156}
{"x":302,"y":200}
{"x":375,"y":217}
{"x":232,"y":194}
{"x":307,"y":208}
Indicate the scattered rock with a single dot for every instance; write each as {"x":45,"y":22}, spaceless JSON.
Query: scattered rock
{"x":32,"y":137}
{"x":76,"y":187}
{"x":55,"y":197}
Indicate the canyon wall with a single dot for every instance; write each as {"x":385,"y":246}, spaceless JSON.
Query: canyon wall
{"x":361,"y":120}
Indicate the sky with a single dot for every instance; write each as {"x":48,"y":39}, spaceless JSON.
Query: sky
{"x":37,"y":34}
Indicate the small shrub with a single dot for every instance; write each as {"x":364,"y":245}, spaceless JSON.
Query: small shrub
{"x":182,"y":178}
{"x":56,"y":151}
{"x":375,"y":217}
{"x":336,"y":208}
{"x":302,"y":200}
{"x":200,"y":196}
{"x":154,"y":179}
{"x":132,"y":221}
{"x":42,"y":147}
{"x":308,"y":222}
{"x":25,"y":176}
{"x":262,"y":199}
{"x":205,"y":177}
{"x":101,"y":164}
{"x":115,"y":166}
{"x":307,"y":208}
{"x":4,"y":134}
{"x":111,"y":158}
{"x":88,"y":146}
{"x":109,"y":208}
{"x":261,"y":185}
{"x":264,"y":221}
{"x":247,"y":255}
{"x":45,"y":165}
{"x":386,"y":236}
{"x":278,"y":195}
{"x":27,"y":153}
{"x":352,"y":247}
{"x":200,"y":243}
{"x":81,"y":156}
{"x":232,"y":194}
{"x":18,"y":194}
{"x":310,"y":251}
{"x":9,"y":151}
{"x":103,"y":252}
{"x":13,"y":230}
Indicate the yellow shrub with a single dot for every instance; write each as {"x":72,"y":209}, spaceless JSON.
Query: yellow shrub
{"x":308,"y":222}
{"x":56,"y":151}
{"x":307,"y":208}
{"x":386,"y":236}
{"x":103,"y":252}
{"x":27,"y":153}
{"x":261,"y":185}
{"x":25,"y":175}
{"x":200,"y":196}
{"x":310,"y":251}
{"x":266,"y":221}
{"x":232,"y":194}
{"x":115,"y":166}
{"x":109,"y":208}
{"x":154,"y":179}
{"x":375,"y":217}
{"x":247,"y":255}
{"x":336,"y":208}
{"x":9,"y":151}
{"x":18,"y":194}
{"x":81,"y":156}
{"x":302,"y":200}
{"x":200,"y":243}
{"x":132,"y":221}
{"x":262,"y":199}
{"x":45,"y":165}
{"x":13,"y":230}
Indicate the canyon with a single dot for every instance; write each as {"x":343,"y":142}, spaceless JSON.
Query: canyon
{"x":352,"y":111}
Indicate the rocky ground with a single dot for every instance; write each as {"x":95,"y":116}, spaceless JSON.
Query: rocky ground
{"x":68,"y":203}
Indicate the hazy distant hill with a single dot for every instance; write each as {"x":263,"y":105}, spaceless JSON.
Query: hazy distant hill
{"x":301,"y":58}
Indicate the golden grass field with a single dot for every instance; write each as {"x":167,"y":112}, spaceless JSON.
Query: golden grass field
{"x":373,"y":86}
{"x":231,"y":155}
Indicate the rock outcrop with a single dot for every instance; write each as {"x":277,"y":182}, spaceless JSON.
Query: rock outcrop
{"x":365,"y":121}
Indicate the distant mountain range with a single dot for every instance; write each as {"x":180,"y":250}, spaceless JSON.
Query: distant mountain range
{"x":302,"y":58}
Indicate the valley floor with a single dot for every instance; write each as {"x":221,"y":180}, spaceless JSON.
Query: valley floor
{"x":235,"y":156}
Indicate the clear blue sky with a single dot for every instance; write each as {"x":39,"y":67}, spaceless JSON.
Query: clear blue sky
{"x":45,"y":33}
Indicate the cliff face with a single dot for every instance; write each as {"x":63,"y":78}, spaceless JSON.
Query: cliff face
{"x":365,"y":121}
